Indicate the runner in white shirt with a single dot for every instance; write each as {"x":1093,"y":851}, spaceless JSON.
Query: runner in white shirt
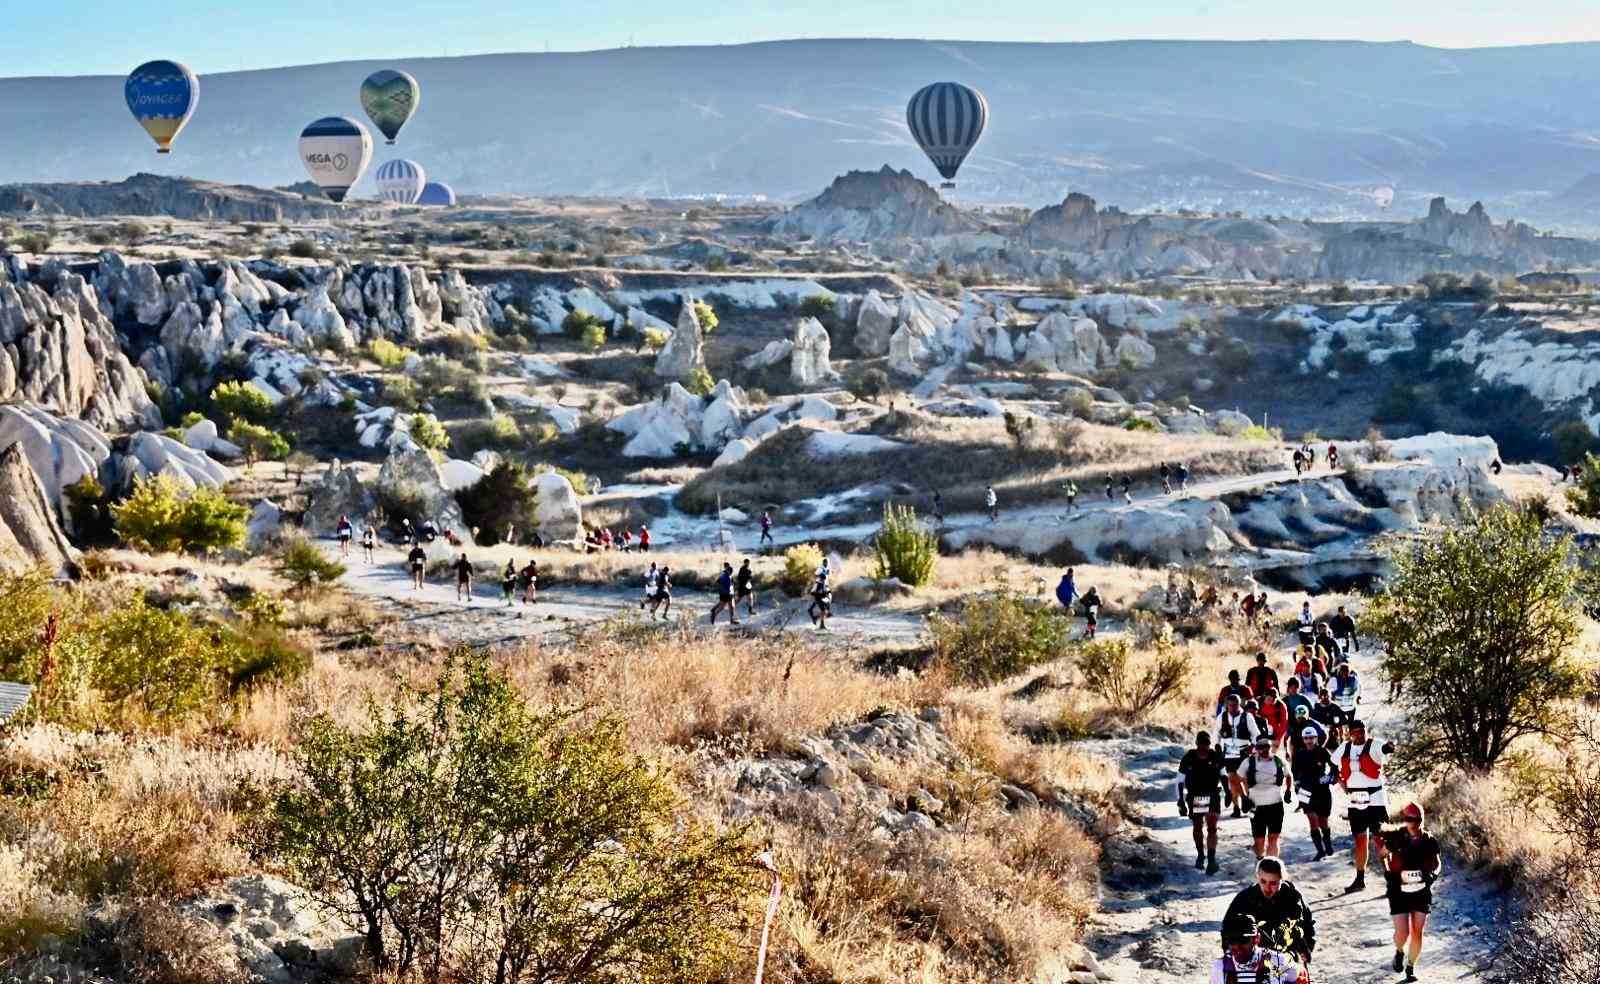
{"x":1360,"y":761}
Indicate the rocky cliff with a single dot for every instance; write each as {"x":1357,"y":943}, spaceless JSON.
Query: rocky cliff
{"x":871,"y":205}
{"x":30,"y":535}
{"x":178,"y":198}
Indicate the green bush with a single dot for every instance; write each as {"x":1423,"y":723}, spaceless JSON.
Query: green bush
{"x":257,"y":442}
{"x":161,"y":516}
{"x":1584,"y":497}
{"x":498,"y":433}
{"x":594,"y":338}
{"x":402,"y":393}
{"x":160,"y":660}
{"x":305,"y":249}
{"x":241,"y":401}
{"x":34,"y":242}
{"x":1256,"y":432}
{"x":905,"y":549}
{"x":1108,"y":670}
{"x":503,"y":497}
{"x":402,"y":501}
{"x":387,"y":354}
{"x":800,"y":563}
{"x":304,"y":566}
{"x":700,"y":382}
{"x":1140,"y":424}
{"x":88,"y":510}
{"x":819,"y":306}
{"x":869,"y":384}
{"x":577,"y":323}
{"x":460,"y":812}
{"x":428,"y":433}
{"x":707,"y":316}
{"x":655,"y":339}
{"x":1574,"y":441}
{"x":997,"y":635}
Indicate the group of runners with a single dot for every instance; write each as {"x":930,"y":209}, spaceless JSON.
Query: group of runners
{"x":1273,"y":751}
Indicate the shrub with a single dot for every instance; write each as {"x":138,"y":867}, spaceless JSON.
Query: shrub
{"x":872,"y":383}
{"x":401,"y":502}
{"x":305,"y":249}
{"x":1481,"y":620}
{"x":161,"y":660}
{"x":387,"y":354}
{"x":800,"y":563}
{"x":996,"y":635}
{"x":34,"y":242}
{"x":819,"y":306}
{"x":1256,"y":432}
{"x":459,"y":810}
{"x":241,"y":401}
{"x":576,"y":324}
{"x":257,"y":442}
{"x":402,"y":393}
{"x":304,"y":566}
{"x":161,"y":516}
{"x":1584,"y":496}
{"x":707,"y":316}
{"x":87,"y":509}
{"x":428,"y":432}
{"x":1078,"y":403}
{"x":700,"y":382}
{"x":1144,"y":424}
{"x":905,"y":549}
{"x":1107,"y":667}
{"x":594,"y":338}
{"x":499,"y":432}
{"x":503,"y":497}
{"x":1574,"y":441}
{"x":654,"y":339}
{"x":1235,"y":358}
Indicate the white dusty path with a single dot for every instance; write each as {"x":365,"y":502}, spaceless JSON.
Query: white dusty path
{"x":564,"y":609}
{"x":1160,"y":922}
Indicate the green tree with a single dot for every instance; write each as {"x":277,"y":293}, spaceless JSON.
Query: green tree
{"x":258,"y":443}
{"x":700,"y":382}
{"x":304,"y":566}
{"x":800,"y":563}
{"x":654,"y":339}
{"x":160,"y":515}
{"x":241,"y":401}
{"x":578,"y":323}
{"x":905,"y":549}
{"x":503,"y":497}
{"x":996,"y":635}
{"x":457,"y":821}
{"x":428,"y":432}
{"x":1481,"y":619}
{"x":594,"y":338}
{"x":1584,"y":496}
{"x":1574,"y":441}
{"x":707,"y":316}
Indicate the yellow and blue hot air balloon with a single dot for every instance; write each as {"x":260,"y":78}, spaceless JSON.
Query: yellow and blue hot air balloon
{"x":162,"y":95}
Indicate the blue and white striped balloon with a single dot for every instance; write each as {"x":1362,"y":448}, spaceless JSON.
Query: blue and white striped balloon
{"x":437,"y":193}
{"x":946,"y":119}
{"x":401,"y":181}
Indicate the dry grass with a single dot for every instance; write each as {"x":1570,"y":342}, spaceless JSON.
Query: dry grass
{"x":960,"y":457}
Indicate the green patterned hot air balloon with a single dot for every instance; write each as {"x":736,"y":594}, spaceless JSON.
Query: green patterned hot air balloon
{"x":390,"y":97}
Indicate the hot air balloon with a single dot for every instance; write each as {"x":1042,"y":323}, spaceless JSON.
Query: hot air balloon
{"x":390,"y":97}
{"x":336,"y":151}
{"x":946,"y":119}
{"x":401,"y":181}
{"x":1383,"y":196}
{"x":162,"y":95}
{"x":437,"y":193}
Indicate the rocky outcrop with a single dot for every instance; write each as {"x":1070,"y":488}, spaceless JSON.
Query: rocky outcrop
{"x":809,"y":365}
{"x":60,"y":450}
{"x":874,"y":324}
{"x":147,"y":455}
{"x":178,"y":198}
{"x":30,"y":534}
{"x":264,"y":526}
{"x":1060,"y":343}
{"x":1075,"y":224}
{"x":685,"y":350}
{"x":411,"y":474}
{"x":340,"y":493}
{"x":277,"y":933}
{"x":558,"y":516}
{"x":770,"y":354}
{"x":873,"y":205}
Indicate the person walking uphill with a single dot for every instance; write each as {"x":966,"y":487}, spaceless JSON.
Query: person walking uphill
{"x":1066,"y":591}
{"x":1236,"y":733}
{"x":418,"y":559}
{"x":1280,"y":911}
{"x":1261,"y":678}
{"x":344,"y":531}
{"x":991,"y":502}
{"x":1265,"y":779}
{"x":766,"y":527}
{"x":725,"y":596}
{"x":1412,"y":863}
{"x":744,"y":587}
{"x":1360,"y":760}
{"x":1245,"y":961}
{"x":1200,"y":796}
{"x":463,"y":568}
{"x":1314,"y":775}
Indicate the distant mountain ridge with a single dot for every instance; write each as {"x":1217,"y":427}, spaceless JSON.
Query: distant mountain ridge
{"x":1276,"y":126}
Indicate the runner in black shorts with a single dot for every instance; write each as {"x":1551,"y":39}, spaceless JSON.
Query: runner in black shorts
{"x":1264,"y":778}
{"x":1201,"y":771}
{"x":418,"y":559}
{"x":1314,"y":775}
{"x":1411,"y":864}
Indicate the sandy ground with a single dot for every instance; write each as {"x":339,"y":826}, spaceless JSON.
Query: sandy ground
{"x":1161,"y":924}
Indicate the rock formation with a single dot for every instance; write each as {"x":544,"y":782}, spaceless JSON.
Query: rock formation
{"x":873,"y":205}
{"x":685,"y":350}
{"x":809,"y":364}
{"x":340,"y":493}
{"x":557,"y":513}
{"x":411,"y":474}
{"x":30,"y":534}
{"x":178,"y":198}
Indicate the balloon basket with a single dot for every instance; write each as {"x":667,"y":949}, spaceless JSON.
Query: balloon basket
{"x":163,"y":150}
{"x":949,"y":186}
{"x":389,"y":142}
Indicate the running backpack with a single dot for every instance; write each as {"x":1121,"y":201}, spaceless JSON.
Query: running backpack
{"x":1250,"y":771}
{"x":1369,"y":765}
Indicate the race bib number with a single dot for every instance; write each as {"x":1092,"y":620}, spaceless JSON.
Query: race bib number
{"x":1411,"y":881}
{"x":1303,"y":795}
{"x":1201,"y":803}
{"x":1360,"y":799}
{"x":1347,"y":703}
{"x":1233,"y":747}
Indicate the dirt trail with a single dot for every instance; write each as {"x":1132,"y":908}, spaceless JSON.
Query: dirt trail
{"x":1161,"y":919}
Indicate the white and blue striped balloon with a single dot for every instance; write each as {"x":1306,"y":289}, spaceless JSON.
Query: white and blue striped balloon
{"x":438,"y":194}
{"x":946,"y":119}
{"x":401,"y":181}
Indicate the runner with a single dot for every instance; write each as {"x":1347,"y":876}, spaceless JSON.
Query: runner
{"x":1326,"y":646}
{"x":1303,"y":720}
{"x":725,"y":596}
{"x":1264,"y":779}
{"x":766,"y":528}
{"x":1495,"y":466}
{"x":1071,"y":491}
{"x":1299,"y":462}
{"x":1282,"y":916}
{"x":663,"y":595}
{"x":1294,"y":699}
{"x":418,"y":559}
{"x":1066,"y":591}
{"x":1346,"y":689}
{"x":1127,"y":490}
{"x":529,"y":576}
{"x":1311,"y":671}
{"x":1313,"y":772}
{"x":344,"y":531}
{"x":1236,"y":731}
{"x":1166,"y":479}
{"x":1091,"y":612}
{"x":991,"y":502}
{"x":1306,"y":625}
{"x":821,"y":598}
{"x":1333,"y":455}
{"x":1261,"y":677}
{"x":1109,"y":494}
{"x":1182,"y":474}
{"x":463,"y":568}
{"x":1276,"y":714}
{"x":1200,"y":798}
{"x":1244,"y":961}
{"x":1344,"y":631}
{"x":1328,"y":714}
{"x":1234,"y":688}
{"x":649,"y":586}
{"x":938,"y":508}
{"x":644,"y":538}
{"x":1247,"y":608}
{"x":1412,"y":864}
{"x":508,"y":582}
{"x":369,"y":541}
{"x":744,"y":587}
{"x":1360,"y":760}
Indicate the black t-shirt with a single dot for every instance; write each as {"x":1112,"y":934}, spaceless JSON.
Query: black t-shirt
{"x":463,"y":570}
{"x":744,"y":579}
{"x":418,"y":557}
{"x":1202,"y":772}
{"x":1342,"y":625}
{"x":1329,"y":715}
{"x":1310,"y":765}
{"x":1408,"y":854}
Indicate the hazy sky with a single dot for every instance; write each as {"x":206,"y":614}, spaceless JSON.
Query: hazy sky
{"x":111,"y":36}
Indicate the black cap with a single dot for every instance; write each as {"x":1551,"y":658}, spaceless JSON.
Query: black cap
{"x":1239,"y":928}
{"x":1358,"y":723}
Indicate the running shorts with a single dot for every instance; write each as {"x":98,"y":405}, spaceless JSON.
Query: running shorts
{"x":1401,"y":901}
{"x":1368,"y":820}
{"x":1317,"y":799}
{"x":1267,"y":819}
{"x":1212,"y":802}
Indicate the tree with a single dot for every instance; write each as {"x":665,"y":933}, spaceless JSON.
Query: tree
{"x":1481,"y":618}
{"x":576,"y":324}
{"x":699,"y":382}
{"x":594,"y":337}
{"x":428,"y":432}
{"x":905,"y":549}
{"x":296,"y":464}
{"x":304,"y":566}
{"x":707,"y":316}
{"x":1574,"y":441}
{"x":503,"y":497}
{"x":241,"y":401}
{"x":1584,"y":497}
{"x":257,"y":442}
{"x":161,"y":516}
{"x":458,"y":825}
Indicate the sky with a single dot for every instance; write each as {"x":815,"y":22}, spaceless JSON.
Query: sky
{"x":94,"y":37}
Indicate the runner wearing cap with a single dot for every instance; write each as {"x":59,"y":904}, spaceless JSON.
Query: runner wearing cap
{"x":1411,"y":863}
{"x":1264,"y":778}
{"x":1314,"y":775}
{"x":1201,"y":791}
{"x":1243,"y":959}
{"x":1360,"y":761}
